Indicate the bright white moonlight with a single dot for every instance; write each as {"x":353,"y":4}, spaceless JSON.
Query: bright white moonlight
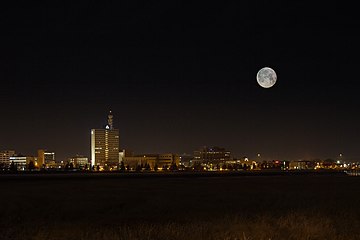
{"x":266,"y":77}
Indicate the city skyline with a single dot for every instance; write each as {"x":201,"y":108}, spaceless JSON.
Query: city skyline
{"x":179,"y":77}
{"x":107,"y":126}
{"x":179,"y":120}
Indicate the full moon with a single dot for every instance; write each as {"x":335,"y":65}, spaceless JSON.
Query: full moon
{"x":266,"y":77}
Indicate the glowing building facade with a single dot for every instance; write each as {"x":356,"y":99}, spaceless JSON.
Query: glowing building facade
{"x":105,"y":146}
{"x":5,"y":157}
{"x":161,"y":160}
{"x":21,"y":162}
{"x":79,"y":161}
{"x":45,"y":158}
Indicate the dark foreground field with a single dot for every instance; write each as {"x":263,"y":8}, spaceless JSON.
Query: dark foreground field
{"x":190,"y":207}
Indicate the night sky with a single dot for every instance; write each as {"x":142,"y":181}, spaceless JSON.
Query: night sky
{"x":181,"y":76}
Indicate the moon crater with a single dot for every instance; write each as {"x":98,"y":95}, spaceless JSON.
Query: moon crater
{"x":266,"y":77}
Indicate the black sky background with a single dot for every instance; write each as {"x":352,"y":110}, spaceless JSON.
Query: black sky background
{"x":180,"y":76}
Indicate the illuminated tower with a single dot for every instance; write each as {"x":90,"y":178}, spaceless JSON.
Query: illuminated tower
{"x":110,"y":120}
{"x":105,"y":146}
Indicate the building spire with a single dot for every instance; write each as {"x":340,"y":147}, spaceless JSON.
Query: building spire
{"x":110,"y":120}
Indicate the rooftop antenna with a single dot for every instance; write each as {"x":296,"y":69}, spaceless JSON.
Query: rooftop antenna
{"x":110,"y":120}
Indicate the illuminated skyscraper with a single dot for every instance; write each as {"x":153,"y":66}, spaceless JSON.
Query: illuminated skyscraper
{"x":105,"y":146}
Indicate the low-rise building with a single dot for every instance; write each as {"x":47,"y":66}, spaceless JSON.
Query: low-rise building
{"x":302,"y":165}
{"x":153,"y":160}
{"x":22,"y":162}
{"x":5,"y":157}
{"x":46,"y":159}
{"x":211,"y":155}
{"x":79,"y":161}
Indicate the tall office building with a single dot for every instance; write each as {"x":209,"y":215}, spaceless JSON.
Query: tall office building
{"x":105,"y":145}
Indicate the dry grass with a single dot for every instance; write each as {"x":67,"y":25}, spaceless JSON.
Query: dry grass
{"x":294,"y":226}
{"x":241,"y":208}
